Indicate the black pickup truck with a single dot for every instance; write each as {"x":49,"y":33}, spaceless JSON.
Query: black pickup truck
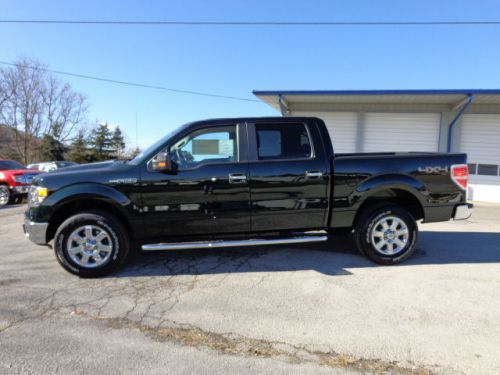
{"x":243,"y":182}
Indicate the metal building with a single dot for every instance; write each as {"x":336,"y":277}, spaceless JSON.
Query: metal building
{"x":409,"y":120}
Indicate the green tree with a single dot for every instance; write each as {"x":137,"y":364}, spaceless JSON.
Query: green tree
{"x":132,"y":154}
{"x":118,"y":143}
{"x":50,"y":149}
{"x":78,"y":151}
{"x":101,"y":142}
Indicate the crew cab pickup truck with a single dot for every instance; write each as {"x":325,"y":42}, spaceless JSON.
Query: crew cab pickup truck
{"x":243,"y":182}
{"x":15,"y":180}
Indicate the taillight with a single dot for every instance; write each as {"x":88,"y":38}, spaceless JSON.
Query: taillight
{"x":460,"y":174}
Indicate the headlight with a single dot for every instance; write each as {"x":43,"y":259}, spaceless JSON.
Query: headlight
{"x":36,"y":195}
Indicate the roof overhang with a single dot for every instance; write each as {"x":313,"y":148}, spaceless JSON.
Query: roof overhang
{"x":436,"y":100}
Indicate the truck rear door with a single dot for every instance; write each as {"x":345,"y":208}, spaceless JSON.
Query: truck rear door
{"x":288,"y":175}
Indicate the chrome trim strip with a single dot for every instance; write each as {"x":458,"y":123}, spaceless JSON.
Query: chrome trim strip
{"x":463,"y":211}
{"x":314,"y":174}
{"x":216,"y":244}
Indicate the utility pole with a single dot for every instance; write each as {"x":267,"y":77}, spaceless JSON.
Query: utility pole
{"x":136,"y":132}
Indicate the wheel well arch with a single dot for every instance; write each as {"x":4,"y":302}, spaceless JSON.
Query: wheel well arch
{"x":74,"y":207}
{"x":395,"y":196}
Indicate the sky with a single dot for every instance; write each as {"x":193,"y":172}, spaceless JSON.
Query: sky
{"x":236,"y":60}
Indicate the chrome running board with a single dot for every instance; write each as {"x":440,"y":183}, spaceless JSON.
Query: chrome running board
{"x":239,"y":243}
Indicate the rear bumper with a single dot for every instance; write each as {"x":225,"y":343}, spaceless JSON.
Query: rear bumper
{"x":463,"y":211}
{"x":36,"y":232}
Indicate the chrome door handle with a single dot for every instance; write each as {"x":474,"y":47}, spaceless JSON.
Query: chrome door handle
{"x":237,"y":178}
{"x":314,"y":174}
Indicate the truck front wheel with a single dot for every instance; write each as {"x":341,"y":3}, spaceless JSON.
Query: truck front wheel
{"x":4,"y":195}
{"x":386,"y":234}
{"x":91,"y":244}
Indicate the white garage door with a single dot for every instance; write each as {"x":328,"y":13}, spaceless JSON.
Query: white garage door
{"x":401,"y":132}
{"x":342,"y":127}
{"x":480,"y":139}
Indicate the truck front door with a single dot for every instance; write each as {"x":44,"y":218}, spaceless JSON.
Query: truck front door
{"x":208,"y":193}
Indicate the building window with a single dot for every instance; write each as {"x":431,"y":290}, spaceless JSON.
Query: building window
{"x":487,"y":169}
{"x":472,"y":168}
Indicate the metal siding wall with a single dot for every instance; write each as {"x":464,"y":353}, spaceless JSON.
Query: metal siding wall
{"x":480,"y":138}
{"x":402,"y":132}
{"x":342,"y":127}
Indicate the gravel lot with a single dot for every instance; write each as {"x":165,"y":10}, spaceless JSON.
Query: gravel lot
{"x":319,"y":308}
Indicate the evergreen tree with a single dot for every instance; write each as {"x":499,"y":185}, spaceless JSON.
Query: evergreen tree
{"x":79,"y":152}
{"x":118,"y":142}
{"x":50,"y":149}
{"x":136,"y":151}
{"x":101,"y":142}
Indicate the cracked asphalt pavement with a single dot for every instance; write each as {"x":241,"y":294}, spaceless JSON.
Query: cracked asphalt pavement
{"x":318,"y":308}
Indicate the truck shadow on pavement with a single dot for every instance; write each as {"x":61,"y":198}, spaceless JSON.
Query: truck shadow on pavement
{"x":333,"y":257}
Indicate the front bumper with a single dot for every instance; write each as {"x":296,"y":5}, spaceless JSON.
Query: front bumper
{"x":36,"y":232}
{"x":20,"y":190}
{"x":463,"y":211}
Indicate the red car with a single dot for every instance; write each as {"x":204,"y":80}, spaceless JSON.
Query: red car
{"x":15,"y":180}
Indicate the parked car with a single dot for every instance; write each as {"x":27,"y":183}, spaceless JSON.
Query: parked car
{"x":51,"y":165}
{"x":243,"y":182}
{"x":15,"y":179}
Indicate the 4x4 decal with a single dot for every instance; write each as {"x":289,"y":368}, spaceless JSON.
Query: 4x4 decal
{"x":434,"y":170}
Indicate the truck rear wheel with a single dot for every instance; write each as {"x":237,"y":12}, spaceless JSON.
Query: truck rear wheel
{"x":91,"y":244}
{"x":386,"y":234}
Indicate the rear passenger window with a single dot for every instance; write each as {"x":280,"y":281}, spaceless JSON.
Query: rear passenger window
{"x":283,"y":141}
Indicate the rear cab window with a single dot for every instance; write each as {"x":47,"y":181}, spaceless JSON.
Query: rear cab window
{"x":6,"y":165}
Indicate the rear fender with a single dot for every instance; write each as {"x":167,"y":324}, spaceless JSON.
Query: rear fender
{"x":378,"y":184}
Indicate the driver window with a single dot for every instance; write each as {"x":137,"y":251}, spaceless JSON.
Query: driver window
{"x":210,"y":145}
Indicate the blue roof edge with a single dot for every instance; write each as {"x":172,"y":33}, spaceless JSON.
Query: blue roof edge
{"x":379,"y":92}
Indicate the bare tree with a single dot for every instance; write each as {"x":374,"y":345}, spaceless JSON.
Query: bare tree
{"x":34,"y":103}
{"x":66,"y":109}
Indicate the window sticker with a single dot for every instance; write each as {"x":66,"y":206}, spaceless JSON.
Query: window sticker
{"x":205,"y":146}
{"x":226,"y":147}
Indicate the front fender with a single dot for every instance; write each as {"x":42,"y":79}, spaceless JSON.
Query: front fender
{"x":84,"y":191}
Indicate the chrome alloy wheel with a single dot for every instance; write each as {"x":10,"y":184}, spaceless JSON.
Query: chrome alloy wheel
{"x":390,"y":235}
{"x":4,"y":195}
{"x":89,"y":246}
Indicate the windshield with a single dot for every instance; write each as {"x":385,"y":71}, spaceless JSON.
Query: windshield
{"x":62,"y":164}
{"x":6,"y":165}
{"x":147,"y":152}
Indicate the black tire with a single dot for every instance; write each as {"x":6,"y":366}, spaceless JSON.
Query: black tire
{"x":5,"y":196}
{"x":16,"y":199}
{"x":98,"y":222}
{"x":378,"y":248}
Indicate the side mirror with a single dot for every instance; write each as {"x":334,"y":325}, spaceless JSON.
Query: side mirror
{"x":163,"y":163}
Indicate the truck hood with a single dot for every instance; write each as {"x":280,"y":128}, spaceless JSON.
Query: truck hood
{"x":100,"y":173}
{"x":85,"y":167}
